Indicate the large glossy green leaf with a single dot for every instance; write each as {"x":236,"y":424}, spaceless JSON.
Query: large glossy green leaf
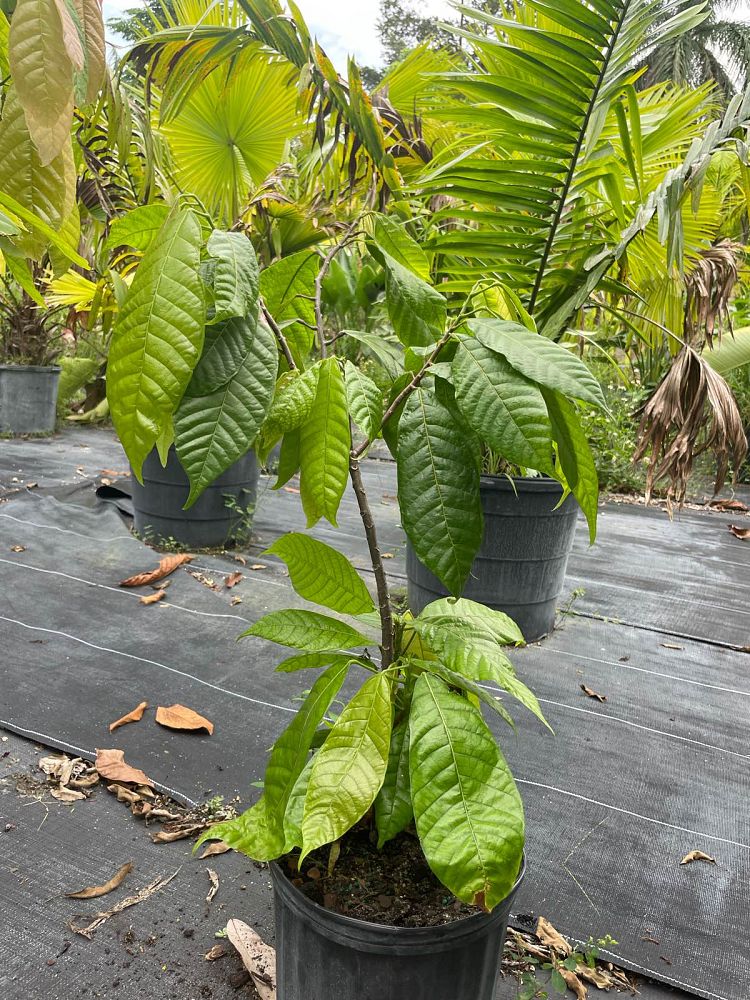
{"x":213,"y":431}
{"x":498,"y":625}
{"x":158,"y":337}
{"x":325,"y":439}
{"x":365,"y":400}
{"x":138,"y":228}
{"x":288,"y":289}
{"x":504,"y":407}
{"x":288,"y":459}
{"x":236,"y":275}
{"x":292,"y":402}
{"x":575,"y":456}
{"x":460,"y":682}
{"x":467,"y":809}
{"x":349,"y":769}
{"x":539,"y":359}
{"x":306,"y":630}
{"x":393,"y":811}
{"x":392,"y":238}
{"x":322,"y":575}
{"x":417,"y":310}
{"x":90,"y":14}
{"x":438,"y":487}
{"x":295,"y":809}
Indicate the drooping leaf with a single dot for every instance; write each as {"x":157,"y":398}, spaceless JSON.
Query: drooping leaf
{"x":438,"y":486}
{"x":322,"y":575}
{"x":389,"y":355}
{"x":288,"y":289}
{"x":236,"y":275}
{"x":324,"y":447}
{"x":90,"y":15}
{"x":417,"y":310}
{"x":158,"y":337}
{"x":349,"y":769}
{"x":288,"y":459}
{"x":575,"y":456}
{"x":499,"y":626}
{"x":365,"y":400}
{"x":504,"y":407}
{"x":467,"y":809}
{"x":138,"y":228}
{"x":312,"y":661}
{"x":393,"y":811}
{"x":292,"y":402}
{"x":295,"y":809}
{"x":250,"y":834}
{"x":306,"y":630}
{"x":477,"y":693}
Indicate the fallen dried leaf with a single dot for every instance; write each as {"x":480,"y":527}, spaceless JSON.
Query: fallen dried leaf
{"x":257,"y":566}
{"x":166,"y":566}
{"x":258,"y":958}
{"x":169,"y":836}
{"x":697,"y":856}
{"x":598,"y":977}
{"x":179,"y":717}
{"x":724,"y":505}
{"x":18,"y":548}
{"x":218,"y":951}
{"x":388,"y":555}
{"x":139,"y":897}
{"x":111,"y":765}
{"x":205,"y":580}
{"x":214,"y":880}
{"x":593,"y":694}
{"x":135,"y":716}
{"x":233,"y":579}
{"x":574,"y":984}
{"x":114,"y":472}
{"x":738,"y":532}
{"x":66,"y":795}
{"x":548,"y":935}
{"x":217,"y":847}
{"x":124,"y":794}
{"x":240,"y":559}
{"x":53,"y":765}
{"x":236,"y":600}
{"x":101,"y":890}
{"x":154,"y":598}
{"x":670,"y":645}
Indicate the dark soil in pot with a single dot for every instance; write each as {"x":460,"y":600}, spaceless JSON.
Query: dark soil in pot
{"x":520,"y":567}
{"x":28,"y":399}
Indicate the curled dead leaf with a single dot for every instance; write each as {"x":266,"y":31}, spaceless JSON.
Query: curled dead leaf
{"x":258,"y":957}
{"x":166,"y":566}
{"x":101,"y":890}
{"x":135,"y":716}
{"x":548,"y":935}
{"x":593,"y":694}
{"x":180,"y":717}
{"x":154,"y":598}
{"x":66,"y":795}
{"x":725,"y":505}
{"x":236,"y":600}
{"x":214,"y":880}
{"x":111,"y":765}
{"x":217,"y":847}
{"x":232,"y":580}
{"x":218,"y":951}
{"x":697,"y":856}
{"x":597,"y":977}
{"x":574,"y":984}
{"x":742,"y":533}
{"x":169,"y":836}
{"x":124,"y":794}
{"x":258,"y":566}
{"x":18,"y":548}
{"x":670,"y":645}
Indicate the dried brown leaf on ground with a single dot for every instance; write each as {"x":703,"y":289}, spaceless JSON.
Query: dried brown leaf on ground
{"x":213,"y":878}
{"x":135,"y":716}
{"x":232,"y":580}
{"x":182,"y":718}
{"x":93,"y":891}
{"x":166,"y":566}
{"x":112,"y":766}
{"x":169,"y":836}
{"x":218,"y":951}
{"x":154,"y":598}
{"x":124,"y":794}
{"x":574,"y":984}
{"x":114,"y":472}
{"x":258,"y":957}
{"x":548,"y":935}
{"x":207,"y":581}
{"x":236,"y":600}
{"x":742,"y":533}
{"x":18,"y":548}
{"x":593,"y":694}
{"x":258,"y":566}
{"x":66,"y":795}
{"x":670,"y":645}
{"x":597,"y":977}
{"x":142,"y":894}
{"x":725,"y":505}
{"x":218,"y":847}
{"x":697,"y":856}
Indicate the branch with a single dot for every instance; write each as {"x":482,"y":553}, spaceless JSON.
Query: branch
{"x":279,"y":335}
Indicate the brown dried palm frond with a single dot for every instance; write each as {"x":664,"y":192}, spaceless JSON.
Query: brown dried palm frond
{"x":693,"y":411}
{"x":709,"y":288}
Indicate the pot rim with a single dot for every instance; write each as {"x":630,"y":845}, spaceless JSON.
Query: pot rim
{"x":521,"y":484}
{"x":358,"y":928}
{"x":50,"y":369}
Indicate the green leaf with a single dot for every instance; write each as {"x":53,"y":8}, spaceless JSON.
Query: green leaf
{"x":324,"y":447}
{"x":138,"y":228}
{"x":288,"y":289}
{"x":295,"y":809}
{"x":236,"y":275}
{"x":393,"y":811}
{"x":214,"y":431}
{"x":158,"y":337}
{"x":438,"y":487}
{"x":389,"y":355}
{"x":322,"y":575}
{"x":417,"y":311}
{"x":349,"y":769}
{"x":392,"y":238}
{"x":539,"y":359}
{"x":498,"y":625}
{"x":732,"y":352}
{"x":21,"y":271}
{"x":292,"y":402}
{"x":504,"y":407}
{"x":288,"y":459}
{"x":365,"y":400}
{"x":306,"y":630}
{"x":575,"y":456}
{"x":461,"y":683}
{"x":467,"y":809}
{"x":311,"y":661}
{"x":74,"y":374}
{"x":250,"y":834}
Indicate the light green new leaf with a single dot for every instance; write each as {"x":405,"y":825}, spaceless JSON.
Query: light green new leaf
{"x":392,"y":238}
{"x":575,"y":456}
{"x":251,"y":834}
{"x":393,"y":811}
{"x":138,"y":228}
{"x":288,"y":290}
{"x":158,"y":337}
{"x":504,"y":407}
{"x":306,"y":630}
{"x":365,"y":400}
{"x":325,"y":440}
{"x":417,"y":310}
{"x":288,"y":459}
{"x":498,"y":625}
{"x":322,"y":575}
{"x":19,"y":268}
{"x":214,"y":431}
{"x":461,"y":683}
{"x":539,"y":359}
{"x":438,"y":486}
{"x":349,"y":769}
{"x":236,"y":275}
{"x":295,"y":809}
{"x":467,"y":809}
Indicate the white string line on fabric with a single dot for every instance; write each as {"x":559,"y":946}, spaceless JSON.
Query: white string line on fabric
{"x":66,"y":531}
{"x":687,"y":600}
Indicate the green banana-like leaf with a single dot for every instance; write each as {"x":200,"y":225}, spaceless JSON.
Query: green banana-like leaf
{"x":438,"y":486}
{"x":138,"y":228}
{"x":467,"y":809}
{"x":543,"y":361}
{"x":292,"y":402}
{"x":306,"y":630}
{"x":417,"y":310}
{"x":288,"y":290}
{"x":312,"y":661}
{"x":322,"y":575}
{"x":349,"y":769}
{"x":732,"y":352}
{"x":236,"y":275}
{"x":499,"y":626}
{"x":505,"y":408}
{"x":213,"y":431}
{"x":365,"y":400}
{"x":575,"y":456}
{"x":393,"y":811}
{"x":325,"y":439}
{"x":158,"y":337}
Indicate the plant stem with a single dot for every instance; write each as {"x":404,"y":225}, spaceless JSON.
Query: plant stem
{"x":381,"y":582}
{"x":279,"y":336}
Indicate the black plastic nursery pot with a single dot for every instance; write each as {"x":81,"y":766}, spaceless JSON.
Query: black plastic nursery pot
{"x":222,"y":514}
{"x":28,"y":398}
{"x":521,"y":563}
{"x":322,"y":955}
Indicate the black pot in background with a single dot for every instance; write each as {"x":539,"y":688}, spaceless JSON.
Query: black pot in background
{"x":28,"y":398}
{"x":322,"y":955}
{"x":222,"y":514}
{"x":521,"y":563}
